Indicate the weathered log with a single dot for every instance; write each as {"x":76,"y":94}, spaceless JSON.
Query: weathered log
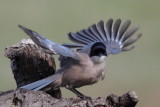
{"x":28,"y":98}
{"x":30,"y":63}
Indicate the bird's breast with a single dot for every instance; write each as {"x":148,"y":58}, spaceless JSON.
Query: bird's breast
{"x":85,"y":73}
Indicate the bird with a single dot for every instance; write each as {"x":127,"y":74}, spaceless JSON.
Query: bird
{"x":86,"y":64}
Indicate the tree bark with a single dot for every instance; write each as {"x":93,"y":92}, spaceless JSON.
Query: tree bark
{"x":30,"y":63}
{"x":28,"y":98}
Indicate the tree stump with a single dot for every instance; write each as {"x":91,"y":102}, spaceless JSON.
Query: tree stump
{"x":28,"y":98}
{"x":30,"y":63}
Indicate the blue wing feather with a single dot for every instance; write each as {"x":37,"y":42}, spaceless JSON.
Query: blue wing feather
{"x":116,"y":36}
{"x":49,"y":45}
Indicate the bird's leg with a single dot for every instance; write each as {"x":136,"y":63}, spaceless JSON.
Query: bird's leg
{"x":78,"y":93}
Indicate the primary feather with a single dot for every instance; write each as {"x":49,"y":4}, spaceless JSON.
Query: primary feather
{"x":48,"y":45}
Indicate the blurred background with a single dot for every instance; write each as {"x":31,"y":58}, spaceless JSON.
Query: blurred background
{"x":137,"y":70}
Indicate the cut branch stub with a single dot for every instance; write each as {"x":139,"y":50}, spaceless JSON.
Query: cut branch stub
{"x":30,"y":63}
{"x":28,"y":98}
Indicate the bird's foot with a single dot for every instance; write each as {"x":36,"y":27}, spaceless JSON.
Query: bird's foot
{"x":85,"y":97}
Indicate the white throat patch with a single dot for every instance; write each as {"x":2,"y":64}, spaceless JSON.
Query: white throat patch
{"x":98,"y":59}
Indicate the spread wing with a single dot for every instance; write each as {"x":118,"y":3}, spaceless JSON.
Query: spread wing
{"x":116,"y":36}
{"x":48,"y":45}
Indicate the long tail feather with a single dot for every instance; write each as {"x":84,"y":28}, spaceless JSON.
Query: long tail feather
{"x":40,"y":84}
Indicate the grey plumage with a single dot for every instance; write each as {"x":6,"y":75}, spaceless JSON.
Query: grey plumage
{"x":77,"y":67}
{"x":40,"y":84}
{"x":86,"y":65}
